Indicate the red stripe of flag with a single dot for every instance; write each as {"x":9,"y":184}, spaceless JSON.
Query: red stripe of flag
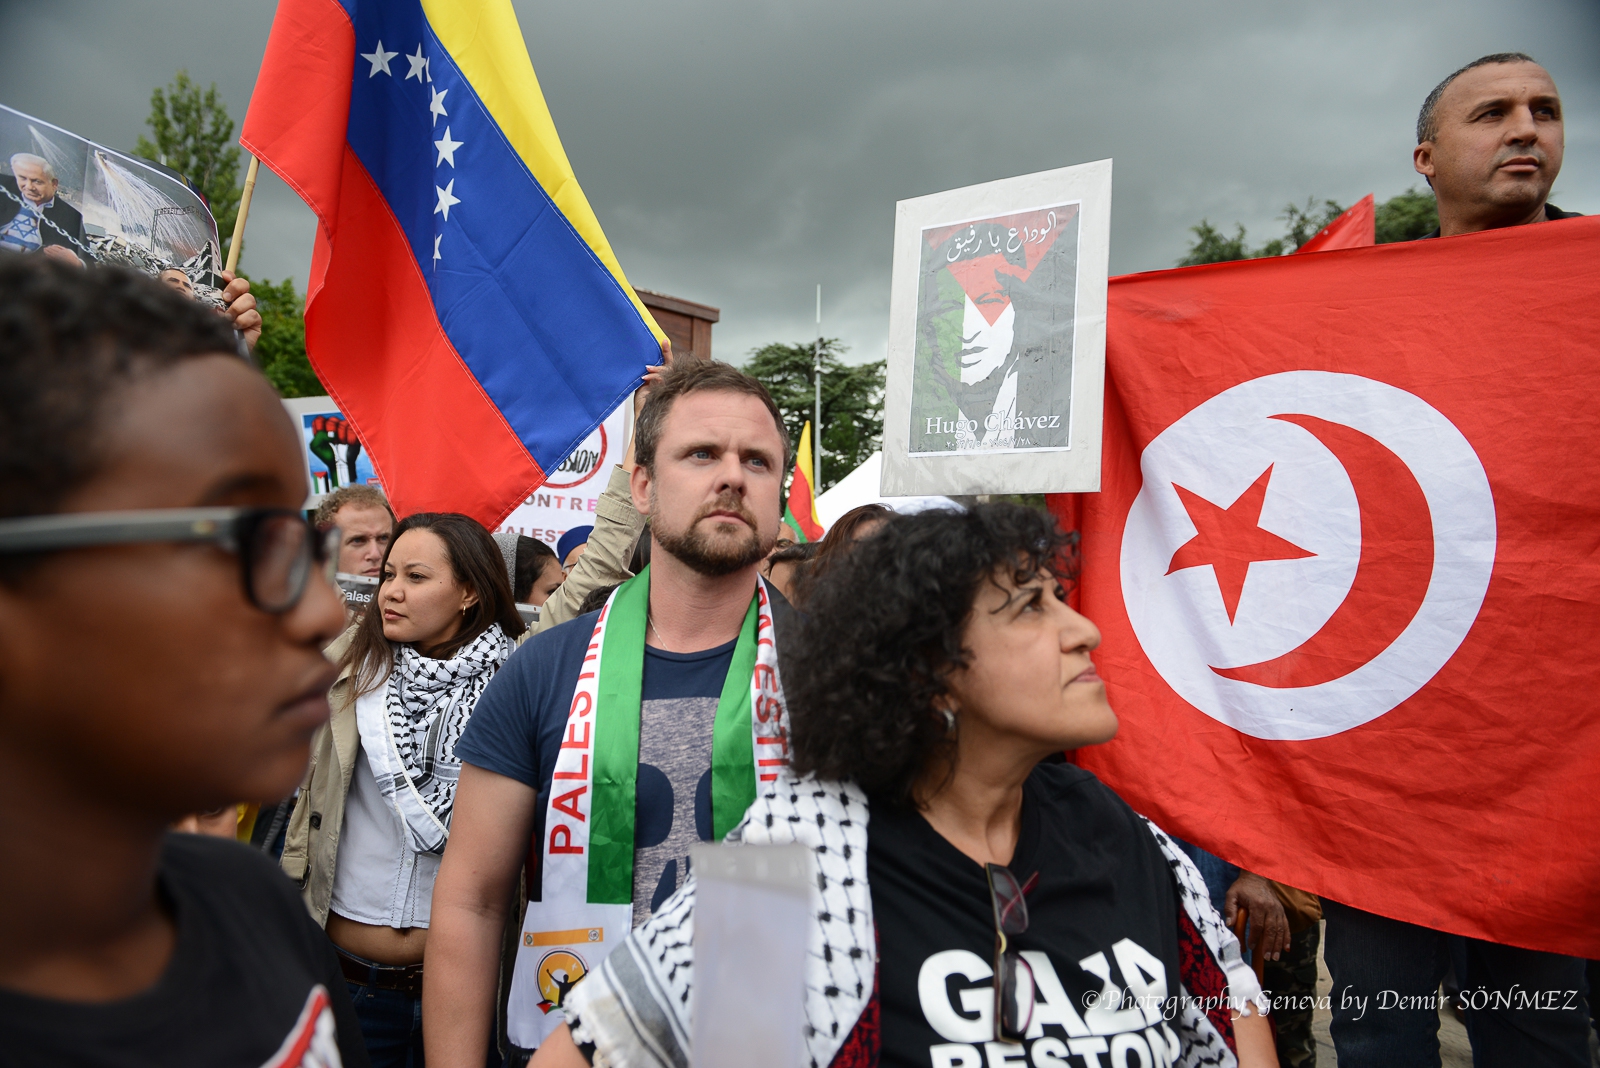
{"x":369,"y":314}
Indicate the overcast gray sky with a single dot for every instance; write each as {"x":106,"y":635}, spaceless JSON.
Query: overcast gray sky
{"x":738,"y":153}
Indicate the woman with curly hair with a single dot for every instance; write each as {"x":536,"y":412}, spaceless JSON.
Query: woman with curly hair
{"x":980,"y":902}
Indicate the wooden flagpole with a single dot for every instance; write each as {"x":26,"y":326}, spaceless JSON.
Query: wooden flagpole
{"x":244,"y":213}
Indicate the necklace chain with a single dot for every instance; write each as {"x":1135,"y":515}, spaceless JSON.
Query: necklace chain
{"x":650,"y":625}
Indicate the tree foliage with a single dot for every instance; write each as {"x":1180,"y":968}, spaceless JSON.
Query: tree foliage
{"x":1301,"y":224}
{"x":1408,"y":216}
{"x":852,"y":400}
{"x":1400,"y":218}
{"x":281,"y":351}
{"x":194,"y":136}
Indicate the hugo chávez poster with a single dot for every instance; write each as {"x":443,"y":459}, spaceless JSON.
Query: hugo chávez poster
{"x":997,"y":336}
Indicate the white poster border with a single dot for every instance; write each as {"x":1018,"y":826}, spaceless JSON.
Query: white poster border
{"x":1075,"y":468}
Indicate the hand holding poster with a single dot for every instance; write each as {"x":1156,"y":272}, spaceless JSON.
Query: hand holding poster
{"x":997,"y":336}
{"x":67,"y":197}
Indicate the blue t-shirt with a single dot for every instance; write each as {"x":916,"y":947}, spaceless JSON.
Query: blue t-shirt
{"x":517,"y":726}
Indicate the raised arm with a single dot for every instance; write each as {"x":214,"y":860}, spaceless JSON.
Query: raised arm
{"x":617,"y":526}
{"x":489,"y":836}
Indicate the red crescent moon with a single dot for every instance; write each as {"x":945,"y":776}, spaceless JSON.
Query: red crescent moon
{"x":1392,"y":574}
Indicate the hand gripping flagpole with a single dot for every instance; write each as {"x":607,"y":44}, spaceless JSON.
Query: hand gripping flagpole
{"x":244,"y":213}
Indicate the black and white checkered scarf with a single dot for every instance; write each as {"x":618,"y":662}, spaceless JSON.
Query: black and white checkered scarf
{"x":412,"y":745}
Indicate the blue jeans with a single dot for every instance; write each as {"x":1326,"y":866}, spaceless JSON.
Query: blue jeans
{"x":391,"y":1026}
{"x":1386,"y":974}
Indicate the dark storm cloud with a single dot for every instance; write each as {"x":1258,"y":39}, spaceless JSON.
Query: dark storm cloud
{"x":739,"y":153}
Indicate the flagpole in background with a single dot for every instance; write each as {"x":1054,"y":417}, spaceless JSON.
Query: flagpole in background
{"x":244,"y":213}
{"x":816,"y":439}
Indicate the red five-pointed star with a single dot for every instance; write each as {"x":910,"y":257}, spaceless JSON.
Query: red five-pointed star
{"x":1231,"y":539}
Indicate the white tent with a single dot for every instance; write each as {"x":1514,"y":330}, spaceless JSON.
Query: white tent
{"x":861,"y":487}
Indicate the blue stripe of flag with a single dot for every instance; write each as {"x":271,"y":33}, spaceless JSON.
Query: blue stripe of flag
{"x":539,"y":321}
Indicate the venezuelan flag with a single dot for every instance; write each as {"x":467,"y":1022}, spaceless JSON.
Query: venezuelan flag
{"x":464,"y":308}
{"x":800,"y":512}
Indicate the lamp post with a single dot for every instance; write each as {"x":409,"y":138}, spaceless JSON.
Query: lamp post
{"x":816,"y":422}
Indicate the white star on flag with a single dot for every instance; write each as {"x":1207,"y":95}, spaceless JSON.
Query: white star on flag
{"x":447,"y":148}
{"x":419,"y":65}
{"x":380,"y":60}
{"x":436,"y":240}
{"x":447,"y":197}
{"x":437,"y":107}
{"x":427,"y":68}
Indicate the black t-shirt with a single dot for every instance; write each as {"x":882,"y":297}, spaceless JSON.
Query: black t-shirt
{"x":1102,"y":936}
{"x":253,"y":982}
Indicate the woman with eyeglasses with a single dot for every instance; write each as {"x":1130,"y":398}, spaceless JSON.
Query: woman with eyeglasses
{"x":980,"y":902}
{"x":163,"y":610}
{"x":372,"y":819}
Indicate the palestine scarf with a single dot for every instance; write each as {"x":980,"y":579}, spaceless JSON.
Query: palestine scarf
{"x":587,"y":845}
{"x":411,"y":740}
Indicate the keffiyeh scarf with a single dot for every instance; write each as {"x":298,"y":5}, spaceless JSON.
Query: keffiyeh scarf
{"x":636,"y":1007}
{"x":410,"y":740}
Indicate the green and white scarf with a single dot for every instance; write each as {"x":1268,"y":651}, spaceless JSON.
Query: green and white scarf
{"x":587,"y":848}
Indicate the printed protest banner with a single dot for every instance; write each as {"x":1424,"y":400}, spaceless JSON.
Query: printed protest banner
{"x":572,"y":492}
{"x":65,"y":196}
{"x":334,"y":455}
{"x":997,"y":336}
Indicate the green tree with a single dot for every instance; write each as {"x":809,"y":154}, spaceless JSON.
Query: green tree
{"x":281,"y":351}
{"x":1211,"y":245}
{"x":194,"y":136}
{"x":1408,"y":216}
{"x":1305,"y":223}
{"x":852,"y":400}
{"x":1301,"y":224}
{"x":1405,"y":217}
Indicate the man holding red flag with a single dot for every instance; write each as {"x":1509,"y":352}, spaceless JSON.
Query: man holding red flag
{"x":1337,"y":541}
{"x":1489,"y":141}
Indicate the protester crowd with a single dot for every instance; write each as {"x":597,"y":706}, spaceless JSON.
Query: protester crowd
{"x":476,"y":791}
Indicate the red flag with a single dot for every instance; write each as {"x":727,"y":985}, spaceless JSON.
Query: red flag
{"x":1356,"y":228}
{"x":1345,"y":563}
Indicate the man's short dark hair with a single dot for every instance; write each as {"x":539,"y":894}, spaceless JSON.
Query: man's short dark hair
{"x":70,"y":340}
{"x":1427,"y":128}
{"x":360,"y":496}
{"x":687,"y":376}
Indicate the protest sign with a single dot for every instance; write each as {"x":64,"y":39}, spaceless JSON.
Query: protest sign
{"x":61,"y":193}
{"x":997,"y":336}
{"x":572,"y":493}
{"x":334,"y":455}
{"x":751,"y":914}
{"x":358,"y":590}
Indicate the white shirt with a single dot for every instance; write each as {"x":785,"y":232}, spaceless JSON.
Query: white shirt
{"x":379,"y":879}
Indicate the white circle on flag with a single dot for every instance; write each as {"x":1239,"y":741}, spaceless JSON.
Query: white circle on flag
{"x":1218,"y":451}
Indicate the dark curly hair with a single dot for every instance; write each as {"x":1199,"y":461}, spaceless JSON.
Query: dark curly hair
{"x":884,"y":631}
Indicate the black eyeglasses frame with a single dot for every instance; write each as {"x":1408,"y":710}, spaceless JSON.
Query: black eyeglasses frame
{"x":233,"y":529}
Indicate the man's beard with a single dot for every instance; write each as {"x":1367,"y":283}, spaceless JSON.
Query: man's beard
{"x":713,"y":558}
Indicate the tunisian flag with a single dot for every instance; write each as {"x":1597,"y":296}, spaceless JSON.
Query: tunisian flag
{"x":1346,"y":559}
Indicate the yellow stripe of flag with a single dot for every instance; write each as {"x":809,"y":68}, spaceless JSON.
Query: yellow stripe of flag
{"x":484,"y":39}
